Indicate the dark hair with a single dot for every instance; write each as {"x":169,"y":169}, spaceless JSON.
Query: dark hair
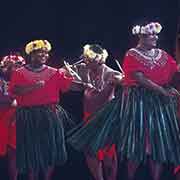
{"x":96,"y":48}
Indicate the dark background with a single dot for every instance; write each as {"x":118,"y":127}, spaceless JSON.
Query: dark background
{"x":69,"y":25}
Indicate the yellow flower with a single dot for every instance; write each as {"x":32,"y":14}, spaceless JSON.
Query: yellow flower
{"x":158,"y":28}
{"x":86,"y":47}
{"x":92,"y":55}
{"x":48,"y":45}
{"x":105,"y":54}
{"x":37,"y":44}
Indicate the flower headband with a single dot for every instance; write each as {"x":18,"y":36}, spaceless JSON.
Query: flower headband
{"x":151,"y":28}
{"x":15,"y":59}
{"x":88,"y":52}
{"x":36,"y":45}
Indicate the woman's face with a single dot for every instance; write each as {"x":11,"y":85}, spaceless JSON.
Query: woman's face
{"x":149,"y":40}
{"x":39,"y":57}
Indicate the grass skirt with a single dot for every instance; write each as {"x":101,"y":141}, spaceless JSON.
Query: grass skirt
{"x":40,"y":137}
{"x":137,"y":118}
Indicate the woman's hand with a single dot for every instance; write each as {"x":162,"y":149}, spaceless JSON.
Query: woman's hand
{"x":116,"y":79}
{"x":14,"y":103}
{"x":173,"y":92}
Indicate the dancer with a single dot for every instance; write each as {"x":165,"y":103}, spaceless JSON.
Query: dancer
{"x":7,"y":112}
{"x":93,"y":70}
{"x":142,"y":120}
{"x":39,"y":121}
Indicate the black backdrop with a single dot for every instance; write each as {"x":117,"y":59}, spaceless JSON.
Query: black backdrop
{"x":69,"y":25}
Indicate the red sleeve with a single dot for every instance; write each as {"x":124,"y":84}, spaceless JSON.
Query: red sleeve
{"x":173,"y":65}
{"x":65,"y":82}
{"x":16,"y":79}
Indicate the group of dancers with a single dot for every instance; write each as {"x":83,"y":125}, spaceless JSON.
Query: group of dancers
{"x":130,"y":115}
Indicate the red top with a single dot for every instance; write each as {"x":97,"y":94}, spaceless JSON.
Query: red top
{"x":7,"y":115}
{"x":55,"y":82}
{"x":160,"y":69}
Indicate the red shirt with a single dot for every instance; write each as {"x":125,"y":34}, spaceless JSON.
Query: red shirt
{"x":55,"y":82}
{"x":7,"y":115}
{"x":160,"y":70}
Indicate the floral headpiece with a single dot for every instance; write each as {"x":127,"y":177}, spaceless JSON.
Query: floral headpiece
{"x":15,"y":59}
{"x":88,"y":52}
{"x":36,"y":45}
{"x":151,"y":28}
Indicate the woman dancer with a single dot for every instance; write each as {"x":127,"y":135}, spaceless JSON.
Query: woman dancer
{"x":142,"y":120}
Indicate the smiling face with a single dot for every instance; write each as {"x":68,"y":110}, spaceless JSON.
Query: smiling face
{"x":148,"y":41}
{"x":39,"y":57}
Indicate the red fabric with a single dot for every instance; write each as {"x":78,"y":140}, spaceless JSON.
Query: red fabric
{"x":108,"y":151}
{"x":86,"y":115}
{"x":177,"y":170}
{"x":55,"y":82}
{"x":8,"y":133}
{"x":7,"y":116}
{"x":159,"y":74}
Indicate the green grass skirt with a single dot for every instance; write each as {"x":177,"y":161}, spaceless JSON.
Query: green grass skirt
{"x":40,"y":138}
{"x":127,"y":121}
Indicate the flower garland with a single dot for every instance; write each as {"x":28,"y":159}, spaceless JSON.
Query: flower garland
{"x":151,"y":28}
{"x":13,"y":59}
{"x":36,"y":45}
{"x":88,"y":52}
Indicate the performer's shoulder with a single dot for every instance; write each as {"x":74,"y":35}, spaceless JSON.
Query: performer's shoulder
{"x":109,"y":70}
{"x":164,"y":54}
{"x":81,"y":65}
{"x":106,"y":67}
{"x":161,"y":50}
{"x":131,"y":52}
{"x":51,"y":68}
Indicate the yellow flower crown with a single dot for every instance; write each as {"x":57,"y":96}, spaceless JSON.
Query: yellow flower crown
{"x":36,"y":45}
{"x":88,"y":52}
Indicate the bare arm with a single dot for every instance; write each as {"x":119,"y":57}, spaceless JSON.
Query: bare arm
{"x":142,"y":80}
{"x":80,"y":85}
{"x":101,"y":95}
{"x":116,"y":78}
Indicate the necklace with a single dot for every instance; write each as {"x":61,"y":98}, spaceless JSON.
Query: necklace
{"x":151,"y":58}
{"x":97,"y":78}
{"x":149,"y":54}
